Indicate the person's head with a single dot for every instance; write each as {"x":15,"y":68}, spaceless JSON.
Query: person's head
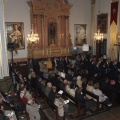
{"x":54,"y":88}
{"x":79,"y":78}
{"x":31,"y":101}
{"x":65,"y":82}
{"x":84,"y":80}
{"x":33,"y":74}
{"x":23,"y":88}
{"x":20,"y":75}
{"x":96,"y":86}
{"x":72,"y":86}
{"x":30,"y":60}
{"x":40,"y":79}
{"x":49,"y":84}
{"x":86,"y":71}
{"x":90,"y":83}
{"x":31,"y":70}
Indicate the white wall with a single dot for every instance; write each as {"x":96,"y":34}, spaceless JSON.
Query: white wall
{"x":18,"y":11}
{"x":80,"y":14}
{"x":105,"y":7}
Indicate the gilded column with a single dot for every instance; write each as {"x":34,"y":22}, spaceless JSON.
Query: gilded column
{"x":67,"y":31}
{"x":42,"y":31}
{"x":59,"y":31}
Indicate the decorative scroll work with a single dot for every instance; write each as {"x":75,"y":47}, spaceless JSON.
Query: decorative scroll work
{"x":52,"y":5}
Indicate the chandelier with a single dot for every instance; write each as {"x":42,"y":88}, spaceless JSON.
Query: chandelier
{"x":98,"y":36}
{"x":32,"y":38}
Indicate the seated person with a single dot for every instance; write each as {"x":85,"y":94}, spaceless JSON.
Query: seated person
{"x":25,"y":95}
{"x":62,"y":107}
{"x":2,"y":115}
{"x":102,"y":97}
{"x":48,"y":88}
{"x":43,"y":86}
{"x":6,"y":114}
{"x":89,"y":88}
{"x":79,"y":96}
{"x":52,"y":93}
{"x":8,"y":105}
{"x":67,"y":85}
{"x":33,"y":109}
{"x":72,"y":90}
{"x":84,"y":83}
{"x":79,"y":81}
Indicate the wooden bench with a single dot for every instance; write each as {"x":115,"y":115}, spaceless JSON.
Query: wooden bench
{"x":96,"y":97}
{"x":77,"y":103}
{"x":48,"y":104}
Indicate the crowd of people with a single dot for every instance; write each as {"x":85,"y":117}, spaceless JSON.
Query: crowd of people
{"x":96,"y":76}
{"x":71,"y":75}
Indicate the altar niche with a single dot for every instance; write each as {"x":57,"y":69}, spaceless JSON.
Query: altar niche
{"x":50,"y":19}
{"x":52,"y":32}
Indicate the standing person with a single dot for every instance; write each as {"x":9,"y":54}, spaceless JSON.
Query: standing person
{"x":30,"y":65}
{"x":59,"y":102}
{"x":33,"y":109}
{"x":66,"y":64}
{"x":49,"y":64}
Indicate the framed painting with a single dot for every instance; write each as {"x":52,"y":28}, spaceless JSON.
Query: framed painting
{"x":15,"y":34}
{"x":80,"y":34}
{"x":102,"y":22}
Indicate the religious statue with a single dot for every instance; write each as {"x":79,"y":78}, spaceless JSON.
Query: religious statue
{"x":52,"y":32}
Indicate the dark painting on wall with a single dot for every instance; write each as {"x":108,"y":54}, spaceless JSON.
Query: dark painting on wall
{"x":15,"y":34}
{"x":102,"y":22}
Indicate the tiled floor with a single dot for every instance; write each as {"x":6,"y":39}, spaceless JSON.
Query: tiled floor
{"x":112,"y":114}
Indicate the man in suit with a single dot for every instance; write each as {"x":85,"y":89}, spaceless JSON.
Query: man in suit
{"x":33,"y":109}
{"x":52,"y":94}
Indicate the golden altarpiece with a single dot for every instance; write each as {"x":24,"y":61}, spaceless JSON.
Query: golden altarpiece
{"x":50,"y":20}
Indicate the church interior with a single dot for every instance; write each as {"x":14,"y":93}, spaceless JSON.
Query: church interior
{"x":60,"y":59}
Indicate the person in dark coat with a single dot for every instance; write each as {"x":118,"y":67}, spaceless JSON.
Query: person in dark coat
{"x":2,"y":116}
{"x":79,"y":96}
{"x":52,"y":94}
{"x":30,"y":65}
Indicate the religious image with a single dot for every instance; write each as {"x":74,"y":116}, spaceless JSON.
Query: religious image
{"x":52,"y":32}
{"x":102,"y":22}
{"x":14,"y":33}
{"x":80,"y":34}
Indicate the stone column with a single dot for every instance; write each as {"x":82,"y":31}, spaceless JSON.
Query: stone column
{"x":4,"y":69}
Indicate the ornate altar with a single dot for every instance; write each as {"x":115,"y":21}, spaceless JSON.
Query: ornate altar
{"x":50,"y":20}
